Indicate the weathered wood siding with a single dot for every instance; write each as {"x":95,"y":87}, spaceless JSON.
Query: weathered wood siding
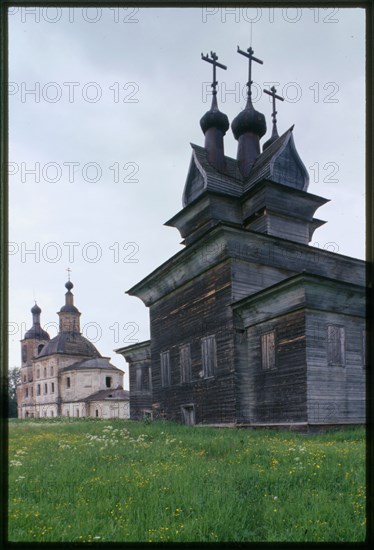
{"x":276,"y":395}
{"x":197,"y":309}
{"x":140,"y":401}
{"x":335,"y":393}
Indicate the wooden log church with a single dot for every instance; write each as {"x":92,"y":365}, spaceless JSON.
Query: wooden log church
{"x":249,"y":324}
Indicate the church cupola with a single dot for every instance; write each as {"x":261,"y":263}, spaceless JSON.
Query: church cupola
{"x":69,"y":314}
{"x":274,"y":134}
{"x":36,"y":332}
{"x":214,"y":124}
{"x":249,"y":126}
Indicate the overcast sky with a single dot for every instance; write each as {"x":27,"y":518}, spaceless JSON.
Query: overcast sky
{"x":118,"y":95}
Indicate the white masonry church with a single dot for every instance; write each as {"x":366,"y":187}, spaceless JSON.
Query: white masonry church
{"x":66,"y":375}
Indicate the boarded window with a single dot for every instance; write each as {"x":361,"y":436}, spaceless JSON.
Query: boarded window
{"x":335,"y":345}
{"x":209,"y":355}
{"x":165,"y":368}
{"x":268,"y":350}
{"x":185,"y":362}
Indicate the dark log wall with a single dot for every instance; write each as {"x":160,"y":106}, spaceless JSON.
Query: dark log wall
{"x":335,"y":393}
{"x":140,"y":401}
{"x":277,"y":395}
{"x":197,"y":309}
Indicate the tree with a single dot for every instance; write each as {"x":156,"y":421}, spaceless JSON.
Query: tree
{"x":14,"y":378}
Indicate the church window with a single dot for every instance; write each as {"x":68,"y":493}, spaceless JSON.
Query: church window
{"x":209,"y":355}
{"x":24,"y":354}
{"x":40,"y":347}
{"x":335,"y":345}
{"x":38,"y":389}
{"x":52,"y":413}
{"x":67,"y":413}
{"x":24,"y":378}
{"x":68,"y":382}
{"x":268,"y":350}
{"x":185,"y":363}
{"x":108,"y":381}
{"x":44,"y":413}
{"x":77,"y":413}
{"x":26,"y":392}
{"x":96,"y":413}
{"x":38,"y":373}
{"x":44,"y":372}
{"x":52,"y":387}
{"x":32,"y":391}
{"x":45,"y":389}
{"x":51,"y":371}
{"x":165,"y":368}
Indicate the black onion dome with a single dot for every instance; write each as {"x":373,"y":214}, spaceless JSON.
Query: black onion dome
{"x":69,"y":285}
{"x":37,"y":333}
{"x":36,"y":309}
{"x":214,"y":119}
{"x":249,"y":120}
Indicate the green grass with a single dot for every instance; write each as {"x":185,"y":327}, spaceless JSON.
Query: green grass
{"x":94,"y":480}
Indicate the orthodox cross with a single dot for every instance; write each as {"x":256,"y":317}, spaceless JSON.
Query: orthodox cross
{"x":215,"y":64}
{"x":274,"y":96}
{"x":251,"y":58}
{"x":68,"y":270}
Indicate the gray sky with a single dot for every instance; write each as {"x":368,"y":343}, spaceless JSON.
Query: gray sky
{"x":118,"y":95}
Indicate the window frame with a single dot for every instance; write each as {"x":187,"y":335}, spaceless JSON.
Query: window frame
{"x":165,"y":369}
{"x":268,"y":356}
{"x":331,"y":362}
{"x":185,"y":366}
{"x":209,"y":364}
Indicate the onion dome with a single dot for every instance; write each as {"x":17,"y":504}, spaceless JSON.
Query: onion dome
{"x":35,"y":310}
{"x":214,"y":119}
{"x":36,"y":332}
{"x":249,"y":120}
{"x":69,"y":306}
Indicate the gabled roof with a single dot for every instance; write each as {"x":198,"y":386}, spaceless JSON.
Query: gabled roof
{"x":280,"y":163}
{"x":271,"y":166}
{"x":203,"y":176}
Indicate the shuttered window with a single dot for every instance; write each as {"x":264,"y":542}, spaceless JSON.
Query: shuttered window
{"x":165,"y":368}
{"x":209,"y":355}
{"x":335,"y":345}
{"x":185,"y":362}
{"x":268,"y":350}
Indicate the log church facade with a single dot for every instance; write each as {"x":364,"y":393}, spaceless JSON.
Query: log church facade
{"x":249,"y":323}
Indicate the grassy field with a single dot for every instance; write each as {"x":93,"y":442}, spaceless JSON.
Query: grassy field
{"x":96,"y":481}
